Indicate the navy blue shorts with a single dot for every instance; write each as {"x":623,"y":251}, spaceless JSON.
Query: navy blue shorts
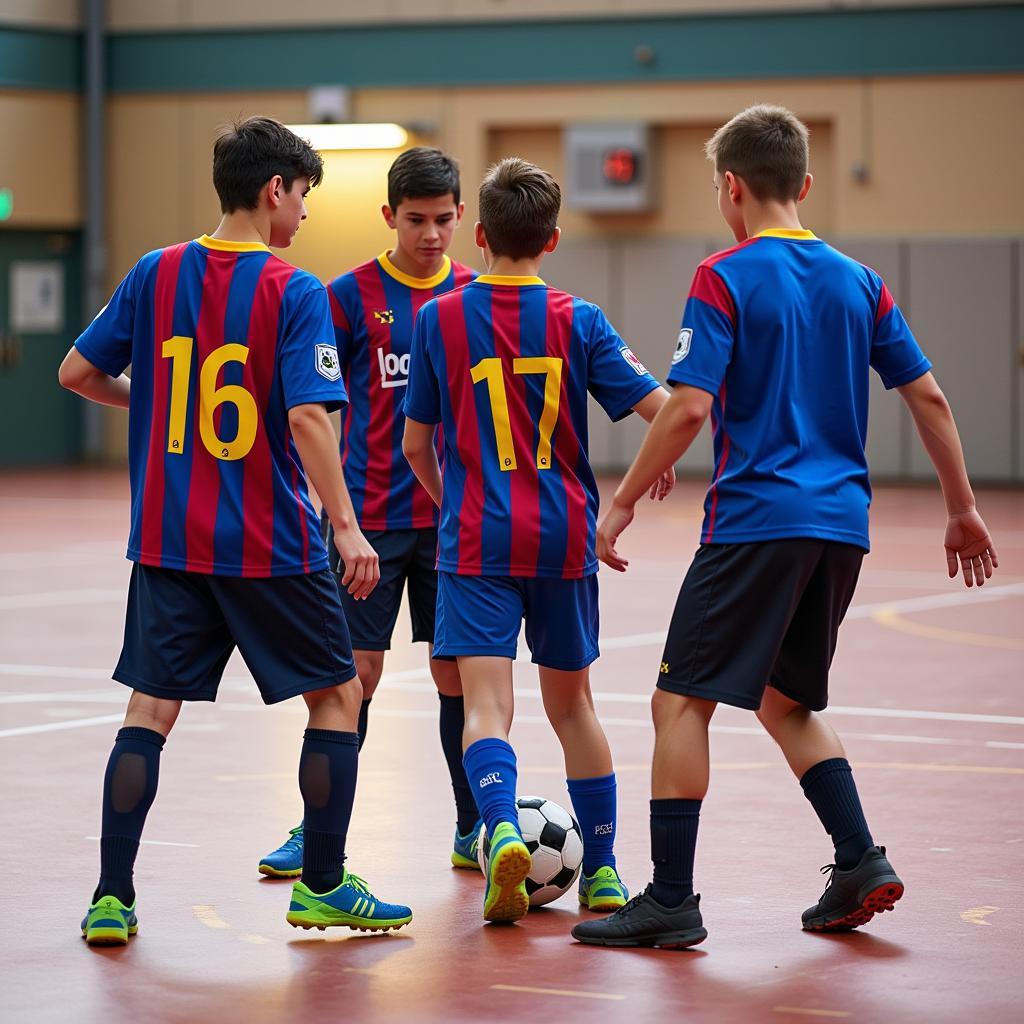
{"x":181,"y":627}
{"x":766,"y":613}
{"x":482,"y":615}
{"x":407,"y":558}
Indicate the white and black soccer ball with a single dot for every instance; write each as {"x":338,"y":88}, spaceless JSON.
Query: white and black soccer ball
{"x":553,"y":837}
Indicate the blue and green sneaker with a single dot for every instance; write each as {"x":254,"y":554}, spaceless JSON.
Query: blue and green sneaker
{"x":464,"y":851}
{"x":508,"y":864}
{"x":286,"y":860}
{"x":603,"y":890}
{"x":109,"y":922}
{"x":350,"y":905}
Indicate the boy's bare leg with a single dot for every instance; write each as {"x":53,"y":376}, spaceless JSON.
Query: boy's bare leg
{"x":155,"y":713}
{"x":803,"y":736}
{"x":681,"y":766}
{"x":487,"y":689}
{"x":369,"y":667}
{"x":569,"y":705}
{"x":335,"y":707}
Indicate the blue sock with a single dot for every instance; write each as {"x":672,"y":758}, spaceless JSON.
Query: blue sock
{"x":593,"y":800}
{"x":673,"y":845}
{"x":451,"y":723}
{"x":327,"y":781}
{"x":129,"y":787}
{"x":491,"y":769}
{"x":832,"y":792}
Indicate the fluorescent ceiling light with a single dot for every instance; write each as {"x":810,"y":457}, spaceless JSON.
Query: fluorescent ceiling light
{"x":352,"y":136}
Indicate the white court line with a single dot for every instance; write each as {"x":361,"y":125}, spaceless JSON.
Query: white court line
{"x":153,"y":842}
{"x":77,"y":723}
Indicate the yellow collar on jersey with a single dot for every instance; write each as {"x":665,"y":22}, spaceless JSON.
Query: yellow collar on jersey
{"x":798,"y":233}
{"x":384,"y":259}
{"x":509,"y":279}
{"x":220,"y":245}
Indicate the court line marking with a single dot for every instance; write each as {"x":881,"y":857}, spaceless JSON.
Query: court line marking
{"x":77,"y":723}
{"x":977,"y":915}
{"x":806,"y":1012}
{"x":971,"y":769}
{"x":207,"y":914}
{"x":566,"y":992}
{"x":893,"y":620}
{"x":256,"y":940}
{"x":155,"y":842}
{"x":57,"y":598}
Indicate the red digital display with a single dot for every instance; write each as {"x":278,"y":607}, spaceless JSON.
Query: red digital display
{"x":619,"y":165}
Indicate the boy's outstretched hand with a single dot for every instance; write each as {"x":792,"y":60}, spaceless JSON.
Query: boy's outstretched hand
{"x":967,"y":538}
{"x":661,"y":487}
{"x":616,"y":519}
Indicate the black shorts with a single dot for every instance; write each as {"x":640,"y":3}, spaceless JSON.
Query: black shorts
{"x":181,"y":627}
{"x":406,"y":557}
{"x":756,"y":615}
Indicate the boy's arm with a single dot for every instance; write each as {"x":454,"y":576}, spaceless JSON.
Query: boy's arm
{"x":419,"y":451}
{"x":77,"y":374}
{"x":675,"y":426}
{"x":647,"y":408}
{"x":967,"y":537}
{"x":314,"y":437}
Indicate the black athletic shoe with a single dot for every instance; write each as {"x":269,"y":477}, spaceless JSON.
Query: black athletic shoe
{"x":853,"y":897}
{"x":643,"y":921}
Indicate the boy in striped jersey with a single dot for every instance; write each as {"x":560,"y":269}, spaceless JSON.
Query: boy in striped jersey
{"x":505,"y":365}
{"x":373,"y":308}
{"x":234,"y":371}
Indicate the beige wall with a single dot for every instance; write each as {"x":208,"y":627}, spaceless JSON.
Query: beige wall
{"x":40,"y":153}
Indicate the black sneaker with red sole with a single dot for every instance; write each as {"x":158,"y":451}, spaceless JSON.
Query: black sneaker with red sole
{"x":854,"y":896}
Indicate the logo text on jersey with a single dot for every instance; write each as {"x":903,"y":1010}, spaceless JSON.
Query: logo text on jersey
{"x":327,"y":364}
{"x":630,"y":356}
{"x":394,"y":369}
{"x":385,"y":316}
{"x":682,"y":345}
{"x":489,"y":780}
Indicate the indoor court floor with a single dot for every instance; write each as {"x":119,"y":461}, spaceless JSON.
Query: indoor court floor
{"x":927,"y":691}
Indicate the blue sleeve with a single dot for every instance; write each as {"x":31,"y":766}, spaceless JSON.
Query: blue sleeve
{"x":615,"y":377}
{"x":704,"y":346}
{"x":107,"y":341}
{"x":308,"y":357}
{"x":895,"y":354}
{"x":423,"y":392}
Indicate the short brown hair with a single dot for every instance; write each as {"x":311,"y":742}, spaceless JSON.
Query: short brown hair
{"x":422,"y":172}
{"x":766,"y":146}
{"x":519,"y":204}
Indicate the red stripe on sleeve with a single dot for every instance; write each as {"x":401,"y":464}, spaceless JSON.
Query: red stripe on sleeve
{"x":452,"y":322}
{"x":524,"y":487}
{"x":710,"y":532}
{"x":710,"y":289}
{"x":381,"y":402}
{"x":258,"y":480}
{"x":558,"y":341}
{"x":165,"y":290}
{"x":338,"y":317}
{"x":204,"y":482}
{"x":422,"y":504}
{"x":885,"y":304}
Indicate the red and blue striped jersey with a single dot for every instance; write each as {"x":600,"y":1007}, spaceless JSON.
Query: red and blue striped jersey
{"x":505,"y":365}
{"x":374,"y":308}
{"x":782,"y":330}
{"x":223,"y":339}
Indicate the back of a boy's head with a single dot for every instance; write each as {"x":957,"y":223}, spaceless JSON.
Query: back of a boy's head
{"x":247,"y":154}
{"x":423,"y":172}
{"x":519,"y":204}
{"x":766,"y":146}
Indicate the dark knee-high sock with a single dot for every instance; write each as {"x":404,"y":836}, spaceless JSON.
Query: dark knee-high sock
{"x":129,"y":787}
{"x":364,"y":720}
{"x":593,"y":800}
{"x":832,"y":792}
{"x":673,"y":845}
{"x":452,"y":721}
{"x":491,"y":769}
{"x":327,"y":781}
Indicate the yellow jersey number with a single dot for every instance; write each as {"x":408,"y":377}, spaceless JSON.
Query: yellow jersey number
{"x":491,"y":371}
{"x":179,"y":351}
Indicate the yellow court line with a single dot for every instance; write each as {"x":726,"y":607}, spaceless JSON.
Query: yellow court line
{"x":571,"y":993}
{"x":976,"y":915}
{"x":811,"y":1013}
{"x":976,"y":769}
{"x":893,"y":620}
{"x":207,"y":914}
{"x":256,"y":940}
